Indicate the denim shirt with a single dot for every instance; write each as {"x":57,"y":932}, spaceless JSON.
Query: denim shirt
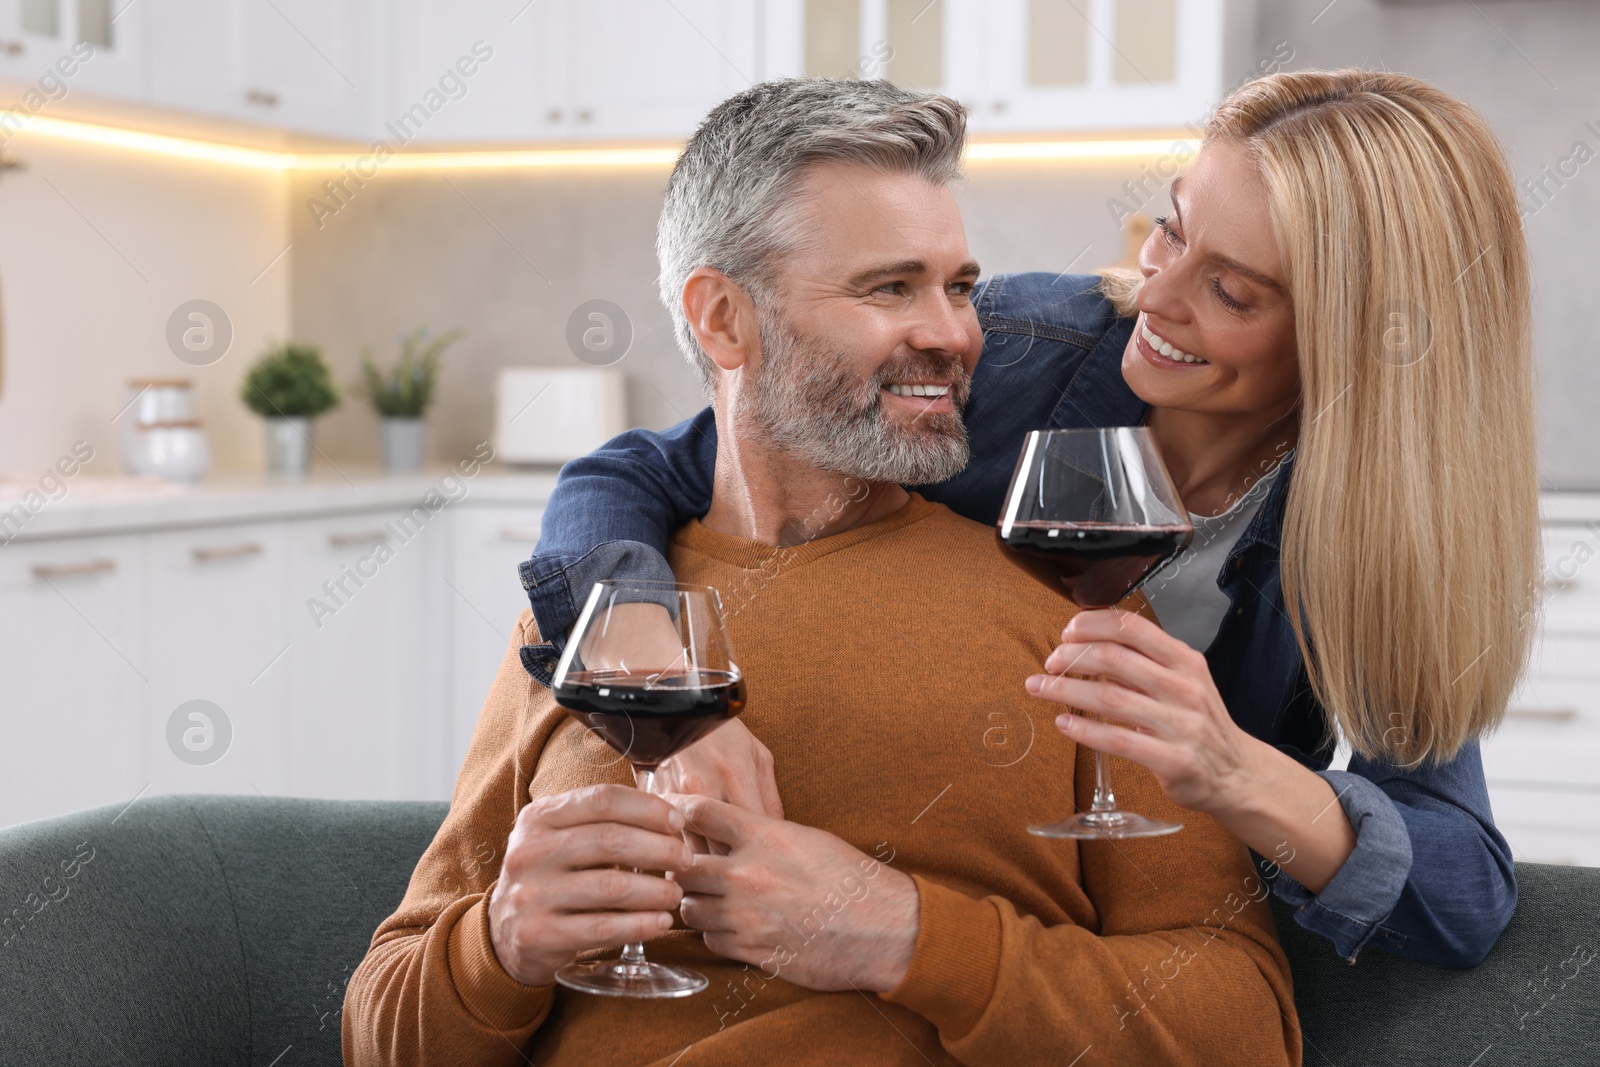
{"x":1430,"y":878}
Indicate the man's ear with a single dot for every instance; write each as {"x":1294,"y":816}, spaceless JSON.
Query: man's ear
{"x":722,"y":317}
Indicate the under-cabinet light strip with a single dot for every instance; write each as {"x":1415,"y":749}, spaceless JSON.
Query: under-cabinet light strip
{"x":517,"y":159}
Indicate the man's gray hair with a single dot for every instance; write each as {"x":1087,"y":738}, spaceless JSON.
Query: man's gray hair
{"x":731,"y":198}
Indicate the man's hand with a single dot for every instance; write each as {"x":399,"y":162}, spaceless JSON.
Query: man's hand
{"x":559,"y":893}
{"x":797,"y":901}
{"x":727,"y":764}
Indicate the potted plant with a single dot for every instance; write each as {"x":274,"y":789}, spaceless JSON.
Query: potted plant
{"x":288,"y":387}
{"x":401,"y":394}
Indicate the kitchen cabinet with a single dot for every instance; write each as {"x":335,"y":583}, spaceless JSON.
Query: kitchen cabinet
{"x":363,"y":660}
{"x":215,"y":600}
{"x":653,"y":69}
{"x":95,"y":46}
{"x":563,"y":70}
{"x":430,"y":72}
{"x":305,"y":65}
{"x":74,"y":661}
{"x":485,"y":598}
{"x":1543,"y":764}
{"x":342,"y":639}
{"x":1030,"y":66}
{"x":490,"y":71}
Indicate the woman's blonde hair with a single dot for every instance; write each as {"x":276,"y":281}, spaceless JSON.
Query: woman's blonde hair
{"x":1411,"y":538}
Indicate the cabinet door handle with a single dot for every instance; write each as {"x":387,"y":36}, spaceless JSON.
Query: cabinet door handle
{"x":519,"y":533}
{"x":1552,"y":584}
{"x":553,"y":115}
{"x":584,"y":114}
{"x":64,"y":570}
{"x":1543,"y":714}
{"x":13,"y":48}
{"x":370,"y":537}
{"x":261,"y":98}
{"x":207,"y":553}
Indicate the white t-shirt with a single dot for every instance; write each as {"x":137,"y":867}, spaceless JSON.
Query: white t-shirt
{"x":1184,"y":592}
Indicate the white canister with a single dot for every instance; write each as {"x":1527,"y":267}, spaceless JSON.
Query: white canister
{"x":148,"y":402}
{"x":175,"y":449}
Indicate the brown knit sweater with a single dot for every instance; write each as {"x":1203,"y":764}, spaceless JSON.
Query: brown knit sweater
{"x":885,"y":669}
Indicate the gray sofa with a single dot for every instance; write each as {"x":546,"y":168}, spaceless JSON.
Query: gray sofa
{"x":221,"y":930}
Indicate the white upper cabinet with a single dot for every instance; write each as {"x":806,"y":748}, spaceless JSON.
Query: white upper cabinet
{"x":64,"y":46}
{"x":311,"y":65}
{"x":653,"y":68}
{"x":563,"y":70}
{"x":305,"y":65}
{"x":481,"y":72}
{"x":1028,"y":66}
{"x":1120,"y":64}
{"x":440,"y":72}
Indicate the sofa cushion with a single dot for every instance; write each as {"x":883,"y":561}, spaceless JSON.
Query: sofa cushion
{"x":196,"y":930}
{"x":1533,"y":1001}
{"x":221,"y":930}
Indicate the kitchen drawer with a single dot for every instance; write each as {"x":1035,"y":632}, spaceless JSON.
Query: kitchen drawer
{"x":1549,"y":825}
{"x":74,"y":658}
{"x":366,"y":644}
{"x":216,"y":606}
{"x":1571,"y":578}
{"x":486,"y":599}
{"x":1551,"y":732}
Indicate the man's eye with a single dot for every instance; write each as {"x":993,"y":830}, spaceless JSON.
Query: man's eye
{"x":893,"y":288}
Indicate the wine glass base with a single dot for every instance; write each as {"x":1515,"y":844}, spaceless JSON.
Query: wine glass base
{"x":1090,"y":825}
{"x":615,"y":978}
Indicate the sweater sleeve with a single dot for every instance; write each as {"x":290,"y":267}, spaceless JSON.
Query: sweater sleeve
{"x":431,"y":989}
{"x":1184,"y":967}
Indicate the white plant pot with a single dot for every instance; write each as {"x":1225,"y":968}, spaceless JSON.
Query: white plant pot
{"x":288,"y":444}
{"x":403,"y":441}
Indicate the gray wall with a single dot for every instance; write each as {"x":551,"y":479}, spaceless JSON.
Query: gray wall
{"x":509,"y":255}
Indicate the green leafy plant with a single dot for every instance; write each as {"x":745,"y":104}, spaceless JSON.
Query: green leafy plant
{"x":288,"y":381}
{"x":404,"y":391}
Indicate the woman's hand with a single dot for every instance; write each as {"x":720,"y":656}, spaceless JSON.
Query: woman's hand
{"x":1153,"y":682}
{"x":728,"y":764}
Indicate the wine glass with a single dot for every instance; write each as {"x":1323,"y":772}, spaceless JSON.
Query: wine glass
{"x":1092,"y":514}
{"x":649,"y":668}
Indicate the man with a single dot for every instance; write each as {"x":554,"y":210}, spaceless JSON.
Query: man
{"x":814,"y":262}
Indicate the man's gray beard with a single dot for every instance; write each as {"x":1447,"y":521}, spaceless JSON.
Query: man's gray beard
{"x":806,"y":402}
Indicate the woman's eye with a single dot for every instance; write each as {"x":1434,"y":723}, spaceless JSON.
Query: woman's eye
{"x":1167,"y":231}
{"x":1227,"y":301}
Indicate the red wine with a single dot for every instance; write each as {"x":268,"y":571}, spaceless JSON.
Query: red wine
{"x":648,"y":717}
{"x":1095,"y":564}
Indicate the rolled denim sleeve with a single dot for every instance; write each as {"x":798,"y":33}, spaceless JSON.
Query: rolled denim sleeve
{"x":1430,"y":879}
{"x":611,"y":516}
{"x":557,"y":585}
{"x":1351,"y":908}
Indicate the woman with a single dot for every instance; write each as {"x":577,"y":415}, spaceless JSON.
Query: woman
{"x":1329,"y":338}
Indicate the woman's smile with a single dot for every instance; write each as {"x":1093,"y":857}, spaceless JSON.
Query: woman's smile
{"x":1160,"y":351}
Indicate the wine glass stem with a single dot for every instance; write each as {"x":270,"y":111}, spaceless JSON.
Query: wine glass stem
{"x":1104,"y":799}
{"x":633,"y":951}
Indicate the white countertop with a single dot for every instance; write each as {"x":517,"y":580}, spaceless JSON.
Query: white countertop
{"x":1570,"y":507}
{"x":103,"y":505}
